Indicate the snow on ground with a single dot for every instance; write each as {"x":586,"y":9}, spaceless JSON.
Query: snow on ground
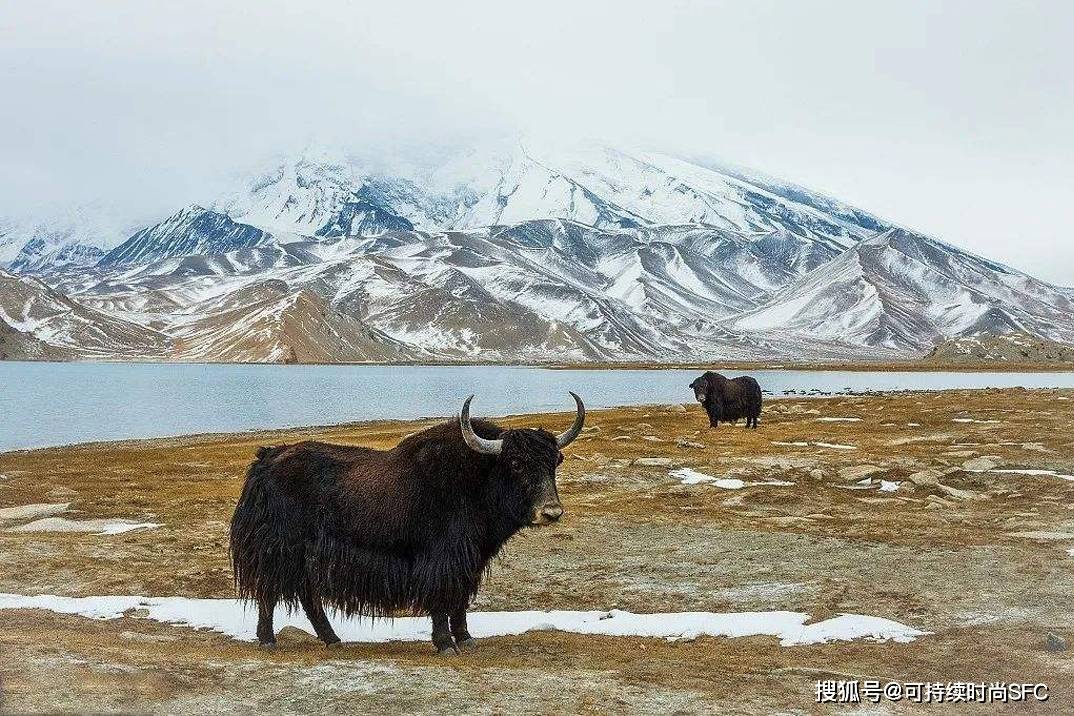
{"x":836,"y":446}
{"x":831,"y":446}
{"x":972,"y":420}
{"x":689,"y":476}
{"x":239,"y":621}
{"x":838,"y":420}
{"x":889,"y":485}
{"x":100,"y":527}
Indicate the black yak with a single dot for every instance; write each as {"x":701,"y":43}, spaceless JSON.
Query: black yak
{"x":728,"y":400}
{"x":377,"y":532}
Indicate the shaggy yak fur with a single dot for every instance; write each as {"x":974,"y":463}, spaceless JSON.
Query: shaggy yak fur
{"x":728,"y":400}
{"x":378,"y":532}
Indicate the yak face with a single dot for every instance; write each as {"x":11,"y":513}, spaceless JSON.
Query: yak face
{"x":700,"y":387}
{"x":526,"y":476}
{"x":526,"y":461}
{"x":708,"y":390}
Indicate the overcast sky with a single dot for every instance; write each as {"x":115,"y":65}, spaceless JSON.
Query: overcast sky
{"x":954,"y":118}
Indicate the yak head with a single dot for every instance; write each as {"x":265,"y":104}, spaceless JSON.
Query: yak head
{"x":526,"y":459}
{"x":708,"y":390}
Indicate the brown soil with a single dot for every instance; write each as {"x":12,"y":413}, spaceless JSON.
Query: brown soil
{"x":937,"y":557}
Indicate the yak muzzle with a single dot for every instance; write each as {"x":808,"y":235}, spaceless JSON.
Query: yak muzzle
{"x":547,"y":515}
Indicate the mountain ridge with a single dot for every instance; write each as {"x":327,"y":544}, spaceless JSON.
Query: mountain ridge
{"x":601,"y":254}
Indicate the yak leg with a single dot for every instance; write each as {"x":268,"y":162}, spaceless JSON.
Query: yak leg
{"x":442,"y":636}
{"x":462,"y":637}
{"x":266,"y":636}
{"x":315,"y":613}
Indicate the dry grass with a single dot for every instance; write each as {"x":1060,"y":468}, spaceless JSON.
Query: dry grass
{"x":633,"y":537}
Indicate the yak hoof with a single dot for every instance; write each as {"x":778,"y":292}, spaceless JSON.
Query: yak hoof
{"x":449,"y":651}
{"x":466,"y":644}
{"x":333,"y":644}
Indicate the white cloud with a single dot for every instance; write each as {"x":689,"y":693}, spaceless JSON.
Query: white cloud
{"x":952,"y":117}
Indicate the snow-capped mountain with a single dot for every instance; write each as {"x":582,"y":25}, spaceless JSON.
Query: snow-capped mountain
{"x":193,"y":230}
{"x":588,"y":254}
{"x":903,"y":291}
{"x":72,"y":236}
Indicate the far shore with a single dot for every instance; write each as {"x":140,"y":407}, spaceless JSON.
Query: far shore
{"x":889,"y":366}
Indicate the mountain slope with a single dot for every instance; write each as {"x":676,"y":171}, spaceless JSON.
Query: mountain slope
{"x":55,"y":323}
{"x":589,"y":253}
{"x":904,"y":291}
{"x":193,"y":230}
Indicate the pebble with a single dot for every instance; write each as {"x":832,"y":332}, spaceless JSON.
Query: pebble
{"x":1054,"y":642}
{"x":684,"y":443}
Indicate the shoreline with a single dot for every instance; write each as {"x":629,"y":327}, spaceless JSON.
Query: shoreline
{"x":390,"y":424}
{"x":888,"y":366}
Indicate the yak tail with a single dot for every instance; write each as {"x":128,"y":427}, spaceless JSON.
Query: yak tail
{"x":264,"y":554}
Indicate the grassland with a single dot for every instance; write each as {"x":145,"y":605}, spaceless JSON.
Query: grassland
{"x":976,"y":557}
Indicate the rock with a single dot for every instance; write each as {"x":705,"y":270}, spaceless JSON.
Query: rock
{"x":957,"y":493}
{"x":645,"y":426}
{"x":591,"y":429}
{"x":653,"y":439}
{"x":684,"y":443}
{"x":620,"y":438}
{"x":857,"y":472}
{"x":676,"y":408}
{"x":926,"y":478}
{"x":34,"y":511}
{"x":1054,"y":642}
{"x":653,"y":462}
{"x":978,"y":464}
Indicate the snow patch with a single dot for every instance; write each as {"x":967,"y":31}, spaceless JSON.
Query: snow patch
{"x":693,"y":477}
{"x":238,"y":621}
{"x":836,"y":446}
{"x":99,"y":527}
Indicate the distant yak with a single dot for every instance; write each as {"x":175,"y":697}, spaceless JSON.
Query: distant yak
{"x":377,"y":532}
{"x":728,"y":400}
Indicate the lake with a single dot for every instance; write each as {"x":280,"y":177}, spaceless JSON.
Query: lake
{"x":48,"y":404}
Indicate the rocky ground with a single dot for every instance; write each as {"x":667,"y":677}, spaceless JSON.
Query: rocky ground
{"x":894,"y":512}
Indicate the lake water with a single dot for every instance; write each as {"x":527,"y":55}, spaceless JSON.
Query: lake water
{"x":46,"y":404}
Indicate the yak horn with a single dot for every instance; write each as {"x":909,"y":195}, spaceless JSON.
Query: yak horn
{"x":475,"y":441}
{"x":565,"y":439}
